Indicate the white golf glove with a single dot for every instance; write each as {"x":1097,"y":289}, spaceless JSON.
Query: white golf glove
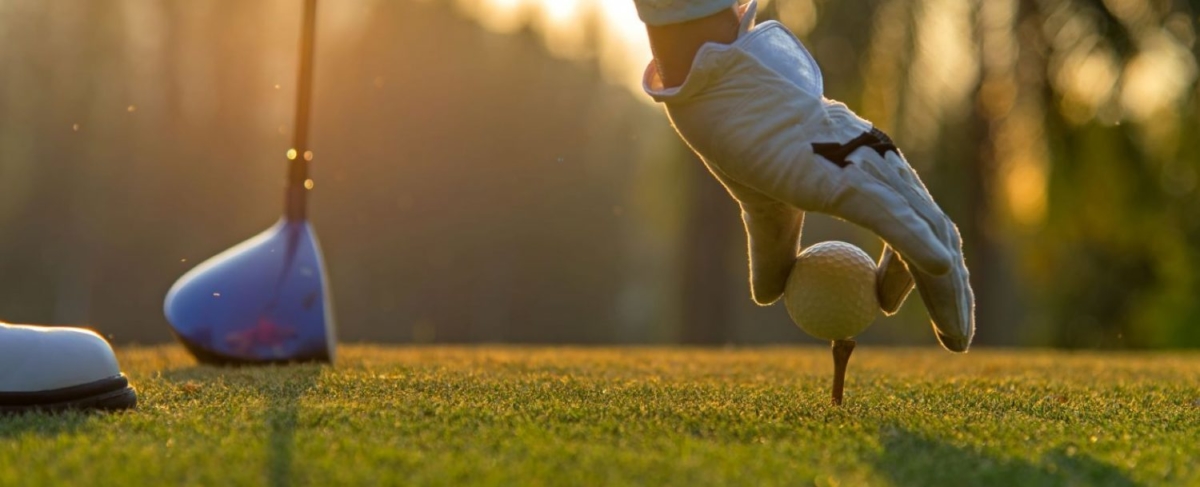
{"x":754,"y":111}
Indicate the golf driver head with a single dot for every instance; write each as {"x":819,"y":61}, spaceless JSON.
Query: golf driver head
{"x":264,"y":301}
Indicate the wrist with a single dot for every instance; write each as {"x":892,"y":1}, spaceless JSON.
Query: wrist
{"x":675,"y":45}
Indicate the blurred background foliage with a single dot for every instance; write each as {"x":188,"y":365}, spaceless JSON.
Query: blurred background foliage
{"x":488,"y":170}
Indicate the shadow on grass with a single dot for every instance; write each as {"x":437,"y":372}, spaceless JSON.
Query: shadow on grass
{"x":282,"y":414}
{"x":46,"y":424}
{"x":282,"y":418}
{"x":911,"y":459}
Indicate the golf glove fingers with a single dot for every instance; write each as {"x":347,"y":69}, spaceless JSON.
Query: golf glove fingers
{"x":772,"y":240}
{"x":773,"y":231}
{"x":754,"y":112}
{"x":893,"y":282}
{"x":947,"y":296}
{"x":950,"y":302}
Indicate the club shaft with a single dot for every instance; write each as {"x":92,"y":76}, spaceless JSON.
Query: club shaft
{"x":297,"y":194}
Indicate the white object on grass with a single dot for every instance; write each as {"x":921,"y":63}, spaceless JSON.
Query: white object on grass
{"x":830,"y":293}
{"x":53,"y":369}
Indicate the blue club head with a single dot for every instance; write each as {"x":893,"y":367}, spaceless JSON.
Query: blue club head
{"x":264,"y":301}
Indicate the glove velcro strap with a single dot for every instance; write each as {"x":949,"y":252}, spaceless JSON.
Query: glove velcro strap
{"x":837,"y":153}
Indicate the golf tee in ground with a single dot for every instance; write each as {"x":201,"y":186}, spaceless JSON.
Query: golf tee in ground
{"x":841,"y":356}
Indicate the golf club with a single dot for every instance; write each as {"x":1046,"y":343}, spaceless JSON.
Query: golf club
{"x":267,"y":299}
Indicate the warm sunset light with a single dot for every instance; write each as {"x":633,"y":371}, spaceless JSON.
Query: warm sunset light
{"x":607,"y":31}
{"x":522,"y":269}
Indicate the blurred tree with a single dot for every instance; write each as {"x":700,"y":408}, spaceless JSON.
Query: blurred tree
{"x":711,"y":287}
{"x":1119,"y":247}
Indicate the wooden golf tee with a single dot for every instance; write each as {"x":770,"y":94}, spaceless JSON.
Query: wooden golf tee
{"x":841,"y":356}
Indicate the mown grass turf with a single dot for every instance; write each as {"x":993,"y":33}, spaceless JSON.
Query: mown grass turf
{"x":563,"y":416}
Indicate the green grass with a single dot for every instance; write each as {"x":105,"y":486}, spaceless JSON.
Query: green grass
{"x":570,"y":416}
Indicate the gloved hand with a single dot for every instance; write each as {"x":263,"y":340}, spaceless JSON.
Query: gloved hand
{"x":755,"y":113}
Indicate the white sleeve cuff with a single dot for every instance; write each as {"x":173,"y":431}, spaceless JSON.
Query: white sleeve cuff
{"x":662,"y":12}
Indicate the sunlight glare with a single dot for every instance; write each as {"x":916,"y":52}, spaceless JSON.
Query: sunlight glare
{"x":1087,"y":79}
{"x":798,"y":15}
{"x":503,"y":16}
{"x":607,"y":31}
{"x":624,"y":51}
{"x":1130,"y":12}
{"x":562,"y":24}
{"x":1025,"y":183}
{"x":945,"y":69}
{"x":340,"y":19}
{"x":1157,"y":78}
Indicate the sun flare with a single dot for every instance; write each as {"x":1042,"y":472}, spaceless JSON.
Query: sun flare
{"x":608,"y":32}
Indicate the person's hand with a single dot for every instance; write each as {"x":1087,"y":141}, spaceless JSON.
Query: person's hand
{"x":755,"y":114}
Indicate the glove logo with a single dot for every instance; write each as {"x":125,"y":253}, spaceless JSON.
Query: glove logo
{"x":837,"y":153}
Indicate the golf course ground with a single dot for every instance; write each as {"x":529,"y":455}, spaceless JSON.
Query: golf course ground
{"x":631,"y":416}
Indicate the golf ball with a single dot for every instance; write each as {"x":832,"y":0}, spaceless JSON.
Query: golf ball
{"x":831,"y":291}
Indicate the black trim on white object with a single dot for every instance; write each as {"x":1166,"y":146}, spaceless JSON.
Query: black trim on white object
{"x":112,"y":393}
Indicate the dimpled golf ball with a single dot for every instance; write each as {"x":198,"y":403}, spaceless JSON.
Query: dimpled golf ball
{"x":831,"y":291}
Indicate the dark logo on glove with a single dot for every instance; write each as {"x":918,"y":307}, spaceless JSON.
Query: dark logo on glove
{"x":837,"y":153}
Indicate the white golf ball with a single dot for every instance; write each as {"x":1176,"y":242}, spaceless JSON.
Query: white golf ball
{"x":831,"y":291}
